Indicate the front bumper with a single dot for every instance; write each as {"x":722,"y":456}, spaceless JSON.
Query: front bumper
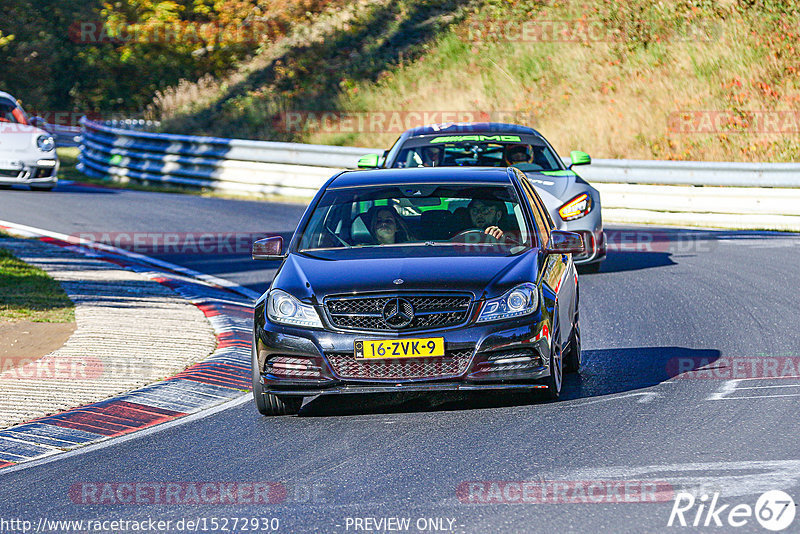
{"x":503,"y":355}
{"x":33,"y":172}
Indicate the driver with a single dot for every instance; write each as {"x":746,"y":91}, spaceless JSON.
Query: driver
{"x":486,"y":215}
{"x":514,"y":154}
{"x":431,"y":156}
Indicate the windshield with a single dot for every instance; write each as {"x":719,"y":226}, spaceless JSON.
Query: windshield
{"x":426,"y":215}
{"x":11,"y":112}
{"x":486,"y":151}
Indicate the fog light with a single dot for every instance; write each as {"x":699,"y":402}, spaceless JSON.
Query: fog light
{"x":290,"y":367}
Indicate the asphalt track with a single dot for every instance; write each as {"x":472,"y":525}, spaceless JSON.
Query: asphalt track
{"x":664,"y":296}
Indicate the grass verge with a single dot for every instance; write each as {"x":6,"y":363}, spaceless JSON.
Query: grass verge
{"x":29,"y":293}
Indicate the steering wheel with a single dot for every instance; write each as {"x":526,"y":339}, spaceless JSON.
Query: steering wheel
{"x":484,"y":238}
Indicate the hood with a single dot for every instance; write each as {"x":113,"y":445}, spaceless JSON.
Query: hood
{"x":484,"y":276}
{"x":553,"y":184}
{"x":18,"y":136}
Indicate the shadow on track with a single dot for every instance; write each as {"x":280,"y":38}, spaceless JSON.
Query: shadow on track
{"x":604,"y":372}
{"x":636,"y":248}
{"x":61,"y":189}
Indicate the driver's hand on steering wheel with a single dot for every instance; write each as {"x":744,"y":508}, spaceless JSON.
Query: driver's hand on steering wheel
{"x":495,"y":232}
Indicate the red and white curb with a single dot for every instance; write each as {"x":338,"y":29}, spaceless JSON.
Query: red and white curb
{"x":222,"y":379}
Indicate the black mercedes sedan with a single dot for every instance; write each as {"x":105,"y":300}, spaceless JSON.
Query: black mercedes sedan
{"x":424,"y":279}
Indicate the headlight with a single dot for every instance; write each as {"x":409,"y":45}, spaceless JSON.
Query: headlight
{"x":282,"y":308}
{"x":522,"y":300}
{"x":46,"y":143}
{"x":576,"y":208}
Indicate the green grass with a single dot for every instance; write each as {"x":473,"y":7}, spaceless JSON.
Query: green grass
{"x":29,"y":293}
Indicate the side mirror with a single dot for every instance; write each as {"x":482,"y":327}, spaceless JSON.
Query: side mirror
{"x":579,"y":158}
{"x":370,"y":161}
{"x":269,"y":248}
{"x":563,"y":242}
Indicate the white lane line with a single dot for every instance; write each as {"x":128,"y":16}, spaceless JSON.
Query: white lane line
{"x":727,"y":388}
{"x":646,"y":396}
{"x":30,"y":231}
{"x":107,"y":442}
{"x":775,"y":386}
{"x":762,"y":396}
{"x":731,"y":479}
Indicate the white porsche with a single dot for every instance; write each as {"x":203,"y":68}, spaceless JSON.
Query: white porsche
{"x":27,"y":153}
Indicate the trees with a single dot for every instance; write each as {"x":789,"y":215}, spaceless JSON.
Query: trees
{"x":97,"y":56}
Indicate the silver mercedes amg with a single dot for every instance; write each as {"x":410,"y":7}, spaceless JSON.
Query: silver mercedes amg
{"x":572,"y":203}
{"x":27,"y":153}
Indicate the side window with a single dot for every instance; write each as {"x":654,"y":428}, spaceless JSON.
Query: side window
{"x":542,"y":223}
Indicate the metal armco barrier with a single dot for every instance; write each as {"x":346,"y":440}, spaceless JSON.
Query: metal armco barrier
{"x":632,"y":190}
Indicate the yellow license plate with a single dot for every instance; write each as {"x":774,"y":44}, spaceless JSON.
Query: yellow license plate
{"x":428,"y":347}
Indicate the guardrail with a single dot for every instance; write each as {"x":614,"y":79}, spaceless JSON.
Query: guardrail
{"x":294,"y":169}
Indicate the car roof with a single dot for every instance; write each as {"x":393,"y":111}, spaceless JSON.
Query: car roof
{"x":470,"y":127}
{"x":423,"y":175}
{"x":3,"y":94}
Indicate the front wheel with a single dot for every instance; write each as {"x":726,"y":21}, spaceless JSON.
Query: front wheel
{"x":269,"y":404}
{"x":572,"y":358}
{"x":553,"y":382}
{"x":274,"y":405}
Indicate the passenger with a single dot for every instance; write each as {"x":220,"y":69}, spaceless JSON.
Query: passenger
{"x":486,"y":215}
{"x":388,"y":228}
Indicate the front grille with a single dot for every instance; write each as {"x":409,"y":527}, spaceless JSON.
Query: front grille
{"x":454,"y":362}
{"x":11,"y":173}
{"x":367,"y":313}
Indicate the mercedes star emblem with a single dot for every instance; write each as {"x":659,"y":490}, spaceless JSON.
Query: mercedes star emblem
{"x":398,"y":313}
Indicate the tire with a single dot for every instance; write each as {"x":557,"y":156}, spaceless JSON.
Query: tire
{"x":572,"y":357}
{"x":42,"y":187}
{"x":590,"y":268}
{"x":269,"y":404}
{"x":282,"y":405}
{"x":556,"y":378}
